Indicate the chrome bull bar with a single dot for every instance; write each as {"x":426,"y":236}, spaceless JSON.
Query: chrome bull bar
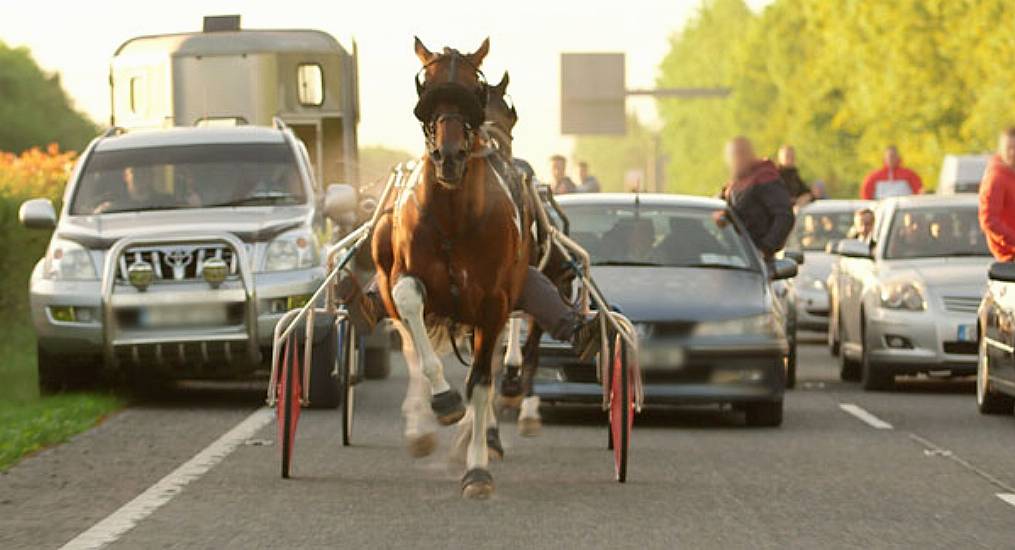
{"x":111,"y":264}
{"x":338,"y":257}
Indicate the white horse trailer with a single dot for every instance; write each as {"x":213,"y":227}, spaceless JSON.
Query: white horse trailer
{"x":228,"y":75}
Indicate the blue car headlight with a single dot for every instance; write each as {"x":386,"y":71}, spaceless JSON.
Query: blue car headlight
{"x":292,"y":250}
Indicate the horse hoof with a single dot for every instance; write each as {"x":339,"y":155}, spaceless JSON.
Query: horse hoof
{"x":529,"y":427}
{"x":494,"y":450}
{"x":448,"y":407}
{"x":509,"y":401}
{"x":477,"y":484}
{"x":422,"y":445}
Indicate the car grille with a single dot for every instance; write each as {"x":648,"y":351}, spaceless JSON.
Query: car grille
{"x":962,"y":304}
{"x":177,"y":262}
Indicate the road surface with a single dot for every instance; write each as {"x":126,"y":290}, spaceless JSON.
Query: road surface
{"x":915,"y":468}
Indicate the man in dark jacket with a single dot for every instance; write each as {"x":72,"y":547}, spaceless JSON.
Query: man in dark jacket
{"x":758,"y":196}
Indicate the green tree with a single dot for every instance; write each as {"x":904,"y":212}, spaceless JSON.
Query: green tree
{"x":34,"y":109}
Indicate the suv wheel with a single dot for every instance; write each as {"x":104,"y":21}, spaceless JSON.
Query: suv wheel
{"x":324,"y":384}
{"x":60,"y":373}
{"x":872,"y":378}
{"x":764,"y":413}
{"x":849,"y":370}
{"x":987,"y":400}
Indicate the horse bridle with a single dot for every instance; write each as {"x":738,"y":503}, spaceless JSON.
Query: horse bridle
{"x":464,"y":95}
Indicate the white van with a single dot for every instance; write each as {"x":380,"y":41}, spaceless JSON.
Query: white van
{"x":961,"y":174}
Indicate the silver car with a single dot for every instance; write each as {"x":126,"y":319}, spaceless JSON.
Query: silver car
{"x":818,"y":224}
{"x":907,"y":302}
{"x":176,"y":252}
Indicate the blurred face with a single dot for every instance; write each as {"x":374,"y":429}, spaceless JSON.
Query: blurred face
{"x":739,"y":156}
{"x":583,"y":171}
{"x":1006,"y":148}
{"x":864,"y":221}
{"x":136,"y":187}
{"x":559,"y":169}
{"x":892,"y":157}
{"x":787,"y":156}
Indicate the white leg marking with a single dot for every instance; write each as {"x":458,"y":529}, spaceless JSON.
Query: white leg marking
{"x":865,"y":417}
{"x":530,"y":407}
{"x":477,"y":455}
{"x":419,"y":418}
{"x":114,"y":526}
{"x":513,"y":357}
{"x":408,"y":299}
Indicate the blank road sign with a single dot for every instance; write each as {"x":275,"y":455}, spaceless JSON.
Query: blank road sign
{"x":592,"y":91}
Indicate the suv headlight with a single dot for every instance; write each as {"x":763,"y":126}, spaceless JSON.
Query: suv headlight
{"x":292,"y":250}
{"x":902,"y":295}
{"x":68,"y":260}
{"x":756,"y":325}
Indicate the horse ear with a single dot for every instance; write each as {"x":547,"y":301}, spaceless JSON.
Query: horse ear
{"x":503,"y":84}
{"x":422,"y":53}
{"x":476,"y":57}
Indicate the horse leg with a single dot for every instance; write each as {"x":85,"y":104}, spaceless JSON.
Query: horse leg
{"x":496,"y":449}
{"x":446,"y":403}
{"x":512,"y":387}
{"x":529,"y":421}
{"x":420,"y":436}
{"x":477,"y":482}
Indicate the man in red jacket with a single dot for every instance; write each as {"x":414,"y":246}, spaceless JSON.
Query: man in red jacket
{"x":997,"y":199}
{"x":891,"y":180}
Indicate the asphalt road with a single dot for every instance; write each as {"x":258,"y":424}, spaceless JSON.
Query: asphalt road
{"x":698,"y":478}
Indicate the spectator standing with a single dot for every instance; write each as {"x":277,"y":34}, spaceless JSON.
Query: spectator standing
{"x":797,"y":188}
{"x":561,"y":184}
{"x":997,"y":199}
{"x":891,"y":180}
{"x":589,"y":183}
{"x":758,"y":196}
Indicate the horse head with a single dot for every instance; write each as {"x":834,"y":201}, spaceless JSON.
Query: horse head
{"x":501,"y":115}
{"x":452,"y":98}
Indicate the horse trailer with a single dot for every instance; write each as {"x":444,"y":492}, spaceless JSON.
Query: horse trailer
{"x":226,"y":75}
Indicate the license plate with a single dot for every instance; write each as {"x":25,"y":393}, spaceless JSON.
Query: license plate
{"x":183,"y":316}
{"x":967,"y":333}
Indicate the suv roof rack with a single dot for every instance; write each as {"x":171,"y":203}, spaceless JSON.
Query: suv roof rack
{"x":114,"y":131}
{"x":278,"y":123}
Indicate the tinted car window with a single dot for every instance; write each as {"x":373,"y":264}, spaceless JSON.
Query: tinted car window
{"x":814,"y":230}
{"x":190,"y":176}
{"x":935,"y":232}
{"x":654,"y":235}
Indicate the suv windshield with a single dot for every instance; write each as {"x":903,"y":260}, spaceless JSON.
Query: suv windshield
{"x":188,"y":176}
{"x":935,"y":232}
{"x":657,"y":236}
{"x":813,"y":230}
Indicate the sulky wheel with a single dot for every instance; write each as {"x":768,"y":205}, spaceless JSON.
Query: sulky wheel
{"x":288,"y":406}
{"x":621,"y":408}
{"x":348,"y":361}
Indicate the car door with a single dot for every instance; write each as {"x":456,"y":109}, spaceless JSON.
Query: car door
{"x":1000,"y":329}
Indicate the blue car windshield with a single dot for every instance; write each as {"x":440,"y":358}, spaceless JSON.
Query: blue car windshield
{"x":935,"y":232}
{"x":658,"y":235}
{"x":188,"y":176}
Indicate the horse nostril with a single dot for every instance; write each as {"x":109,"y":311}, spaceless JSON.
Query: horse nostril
{"x":436,"y":155}
{"x":460,"y":155}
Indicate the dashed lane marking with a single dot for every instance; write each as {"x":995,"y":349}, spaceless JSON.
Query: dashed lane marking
{"x":118,"y":523}
{"x":1007,"y":497}
{"x":865,"y":417}
{"x":933,"y":449}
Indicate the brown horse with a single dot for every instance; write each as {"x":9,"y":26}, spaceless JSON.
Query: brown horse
{"x":452,"y":253}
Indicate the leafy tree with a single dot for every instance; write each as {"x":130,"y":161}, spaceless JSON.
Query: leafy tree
{"x":34,"y":109}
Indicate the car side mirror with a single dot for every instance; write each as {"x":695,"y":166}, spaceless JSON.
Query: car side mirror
{"x":795,"y":255}
{"x":854,"y":248}
{"x":37,"y":214}
{"x":1002,"y":271}
{"x":339,"y":200}
{"x":784,"y":268}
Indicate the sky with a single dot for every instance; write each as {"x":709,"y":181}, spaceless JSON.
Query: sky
{"x":76,"y":39}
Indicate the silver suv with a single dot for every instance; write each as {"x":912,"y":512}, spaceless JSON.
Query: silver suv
{"x":176,"y":252}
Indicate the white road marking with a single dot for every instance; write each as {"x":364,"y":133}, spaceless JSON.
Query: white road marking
{"x":934,"y":450}
{"x":865,"y":417}
{"x":129,"y":515}
{"x":1007,"y":497}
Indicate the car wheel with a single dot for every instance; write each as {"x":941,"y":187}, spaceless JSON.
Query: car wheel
{"x":60,"y":373}
{"x":988,"y":401}
{"x":791,"y":365}
{"x":763,"y":413}
{"x":324,"y":385}
{"x":849,"y":370}
{"x":377,"y":364}
{"x":872,"y":378}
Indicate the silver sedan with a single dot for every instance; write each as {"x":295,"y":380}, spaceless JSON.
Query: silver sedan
{"x":907,"y":302}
